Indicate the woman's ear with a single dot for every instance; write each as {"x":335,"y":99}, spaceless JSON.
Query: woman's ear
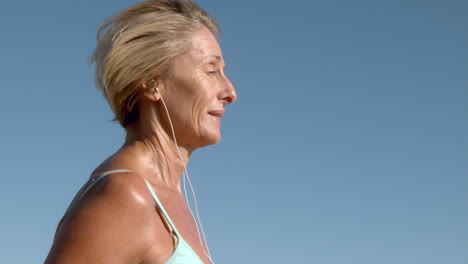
{"x":151,"y":91}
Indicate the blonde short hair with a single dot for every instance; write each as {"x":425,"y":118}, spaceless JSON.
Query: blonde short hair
{"x":139,"y":44}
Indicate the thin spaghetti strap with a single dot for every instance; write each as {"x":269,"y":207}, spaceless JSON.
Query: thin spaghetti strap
{"x":161,"y":208}
{"x":94,"y":181}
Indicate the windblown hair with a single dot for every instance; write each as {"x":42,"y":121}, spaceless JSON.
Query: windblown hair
{"x":139,"y":44}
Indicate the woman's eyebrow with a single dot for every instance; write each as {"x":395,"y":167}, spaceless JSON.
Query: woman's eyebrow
{"x":218,"y":58}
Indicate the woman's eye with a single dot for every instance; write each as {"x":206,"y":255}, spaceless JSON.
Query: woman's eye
{"x":212,"y":72}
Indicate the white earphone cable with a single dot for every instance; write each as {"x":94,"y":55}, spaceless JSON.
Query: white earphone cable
{"x":186,"y":175}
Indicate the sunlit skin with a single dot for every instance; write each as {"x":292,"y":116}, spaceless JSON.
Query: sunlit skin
{"x":117,"y":221}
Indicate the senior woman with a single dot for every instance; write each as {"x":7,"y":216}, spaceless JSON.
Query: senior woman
{"x":160,"y":68}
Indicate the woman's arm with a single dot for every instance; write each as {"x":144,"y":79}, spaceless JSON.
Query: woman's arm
{"x":113,"y":223}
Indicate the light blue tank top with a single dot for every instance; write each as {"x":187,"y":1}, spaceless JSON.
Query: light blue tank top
{"x":183,"y":253}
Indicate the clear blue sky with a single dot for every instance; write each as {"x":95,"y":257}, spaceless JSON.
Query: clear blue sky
{"x":348,"y":144}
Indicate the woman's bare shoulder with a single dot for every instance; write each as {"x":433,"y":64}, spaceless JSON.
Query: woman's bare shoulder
{"x":113,"y":222}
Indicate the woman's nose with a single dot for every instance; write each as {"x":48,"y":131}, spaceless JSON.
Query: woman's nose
{"x":228,"y":94}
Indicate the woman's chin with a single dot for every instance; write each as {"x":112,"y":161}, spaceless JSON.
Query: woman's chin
{"x":211,"y":138}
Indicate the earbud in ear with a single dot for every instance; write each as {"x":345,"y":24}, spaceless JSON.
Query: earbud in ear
{"x":152,"y":83}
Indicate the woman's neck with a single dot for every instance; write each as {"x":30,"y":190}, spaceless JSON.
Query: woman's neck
{"x":155,"y":153}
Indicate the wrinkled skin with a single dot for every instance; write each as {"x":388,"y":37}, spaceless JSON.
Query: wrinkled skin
{"x":197,"y":87}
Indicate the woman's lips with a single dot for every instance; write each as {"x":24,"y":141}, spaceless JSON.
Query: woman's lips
{"x":216,"y":114}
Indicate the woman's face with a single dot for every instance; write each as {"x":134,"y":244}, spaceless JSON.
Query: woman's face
{"x":197,"y":92}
